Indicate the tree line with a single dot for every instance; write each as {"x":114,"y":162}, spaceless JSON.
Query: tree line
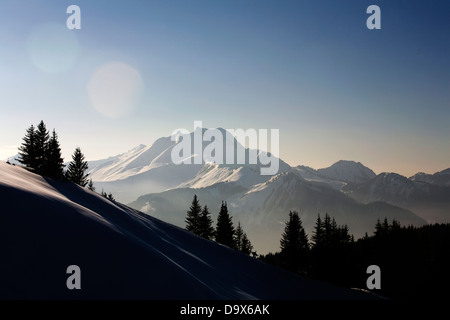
{"x":40,"y":152}
{"x":413,"y":260}
{"x":199,"y":221}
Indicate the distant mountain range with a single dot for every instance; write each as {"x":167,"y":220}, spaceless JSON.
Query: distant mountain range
{"x":430,"y":200}
{"x":146,"y":178}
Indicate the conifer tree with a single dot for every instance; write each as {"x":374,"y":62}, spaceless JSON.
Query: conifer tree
{"x":91,"y":185}
{"x":206,"y":230}
{"x":378,"y":228}
{"x":225,"y":230}
{"x":382,"y":228}
{"x":41,"y":146}
{"x":238,"y":235}
{"x":329,"y":227}
{"x":242,"y":243}
{"x":54,"y":164}
{"x":77,"y":168}
{"x":193,"y":216}
{"x":294,"y":243}
{"x":246,"y":245}
{"x":343,"y":236}
{"x":42,"y":152}
{"x":318,"y":233}
{"x":27,"y":151}
{"x":386,"y":225}
{"x":395,"y":225}
{"x":330,"y":247}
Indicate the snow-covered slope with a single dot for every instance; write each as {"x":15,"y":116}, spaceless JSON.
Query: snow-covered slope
{"x":49,"y":225}
{"x":348,"y":171}
{"x":150,"y":169}
{"x":210,"y":174}
{"x":337,"y":175}
{"x":311,"y":174}
{"x":140,"y":170}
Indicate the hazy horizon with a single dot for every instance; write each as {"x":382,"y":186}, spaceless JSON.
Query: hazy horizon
{"x":136,"y":71}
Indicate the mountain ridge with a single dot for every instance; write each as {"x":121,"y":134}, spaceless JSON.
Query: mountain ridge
{"x":430,"y":201}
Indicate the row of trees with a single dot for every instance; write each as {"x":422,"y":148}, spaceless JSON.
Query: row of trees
{"x":298,"y":254}
{"x":41,"y":153}
{"x":413,"y":260}
{"x":199,"y":221}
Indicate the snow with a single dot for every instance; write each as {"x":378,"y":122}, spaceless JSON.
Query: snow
{"x":427,"y":197}
{"x":244,"y":175}
{"x":348,"y":171}
{"x":150,"y":169}
{"x":121,"y":166}
{"x":311,"y":174}
{"x":122,"y":253}
{"x":441,"y":178}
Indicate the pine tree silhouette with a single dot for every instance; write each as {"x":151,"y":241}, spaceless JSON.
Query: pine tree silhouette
{"x":318,"y":233}
{"x":77,"y":168}
{"x":54,"y":165}
{"x":246,"y":245}
{"x":27,"y":151}
{"x":330,"y":248}
{"x":42,"y":138}
{"x":224,"y":230}
{"x":91,"y":185}
{"x":206,"y":230}
{"x":193,"y":216}
{"x":42,"y":152}
{"x":294,"y":244}
{"x":242,"y":243}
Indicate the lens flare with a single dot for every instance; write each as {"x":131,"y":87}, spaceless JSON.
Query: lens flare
{"x":114,"y":89}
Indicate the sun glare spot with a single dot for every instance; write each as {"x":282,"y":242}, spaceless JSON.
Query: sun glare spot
{"x":114,"y":89}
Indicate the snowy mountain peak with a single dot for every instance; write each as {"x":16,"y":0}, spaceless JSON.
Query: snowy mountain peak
{"x":159,"y":155}
{"x":348,"y":171}
{"x":441,"y":178}
{"x":394,"y":183}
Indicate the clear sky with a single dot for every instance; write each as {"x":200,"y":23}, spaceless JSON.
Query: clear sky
{"x":137,"y":70}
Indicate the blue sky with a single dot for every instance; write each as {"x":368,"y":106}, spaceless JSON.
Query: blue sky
{"x":312,"y":69}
